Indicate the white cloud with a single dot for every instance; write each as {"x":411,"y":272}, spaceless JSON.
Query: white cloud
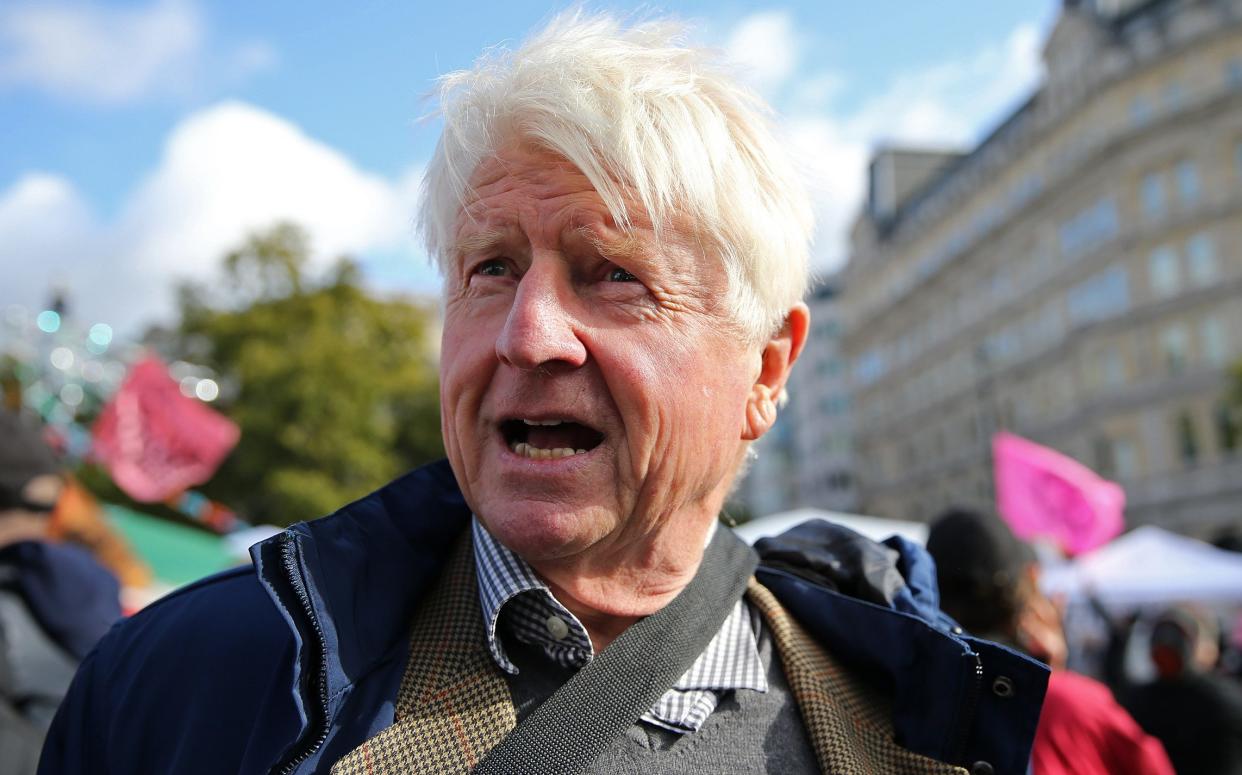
{"x":946,"y":104}
{"x":225,"y":171}
{"x":233,"y":168}
{"x":45,"y":230}
{"x":765,"y":48}
{"x":98,"y":55}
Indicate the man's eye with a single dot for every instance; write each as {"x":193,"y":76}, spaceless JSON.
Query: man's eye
{"x":492,"y":268}
{"x":619,"y":275}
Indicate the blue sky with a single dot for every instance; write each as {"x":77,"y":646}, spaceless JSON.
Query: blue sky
{"x":141,"y":139}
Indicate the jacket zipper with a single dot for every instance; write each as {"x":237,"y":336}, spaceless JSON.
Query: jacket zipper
{"x":319,"y":687}
{"x":972,"y":706}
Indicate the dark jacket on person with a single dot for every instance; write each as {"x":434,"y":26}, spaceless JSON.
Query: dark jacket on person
{"x":56,"y":602}
{"x":290,"y":665}
{"x":1197,"y":716}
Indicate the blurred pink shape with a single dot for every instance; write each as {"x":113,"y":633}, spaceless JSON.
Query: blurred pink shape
{"x":155,"y":441}
{"x":1043,"y":493}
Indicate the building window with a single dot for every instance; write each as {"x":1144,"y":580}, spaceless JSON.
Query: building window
{"x":870,"y":366}
{"x":1090,"y":228}
{"x":1106,"y":369}
{"x":1140,"y":111}
{"x":1099,"y":297}
{"x":1201,"y":259}
{"x":1175,"y":347}
{"x":1163,"y":272}
{"x":1112,"y":369}
{"x":1233,"y":73}
{"x":1187,"y":439}
{"x":1212,"y":341}
{"x":1103,"y":456}
{"x":1125,"y":459}
{"x":1002,"y":346}
{"x":1174,"y":96}
{"x":1227,"y":430}
{"x":1151,"y":191}
{"x":1188,"y":182}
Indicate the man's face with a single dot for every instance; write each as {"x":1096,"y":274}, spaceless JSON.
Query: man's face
{"x":594,"y":392}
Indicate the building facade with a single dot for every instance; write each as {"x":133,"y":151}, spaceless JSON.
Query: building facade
{"x":1076,"y":278}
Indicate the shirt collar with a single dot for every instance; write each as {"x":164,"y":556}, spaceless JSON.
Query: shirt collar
{"x":504,"y":576}
{"x":730,"y":661}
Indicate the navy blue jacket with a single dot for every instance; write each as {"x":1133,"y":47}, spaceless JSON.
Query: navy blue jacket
{"x":72,"y":597}
{"x":289,"y":665}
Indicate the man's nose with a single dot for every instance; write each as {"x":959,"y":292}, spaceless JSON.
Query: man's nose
{"x":540,"y":329}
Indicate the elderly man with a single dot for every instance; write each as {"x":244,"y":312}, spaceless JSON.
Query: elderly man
{"x":624,"y":250}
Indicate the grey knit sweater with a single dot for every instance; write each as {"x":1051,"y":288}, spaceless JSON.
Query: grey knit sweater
{"x":748,"y":732}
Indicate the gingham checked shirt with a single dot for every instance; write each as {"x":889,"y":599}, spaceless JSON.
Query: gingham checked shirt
{"x":730,"y":661}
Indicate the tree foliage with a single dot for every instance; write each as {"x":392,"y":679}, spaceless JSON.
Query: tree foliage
{"x":334,"y":389}
{"x":1233,"y":403}
{"x":1234,"y":390}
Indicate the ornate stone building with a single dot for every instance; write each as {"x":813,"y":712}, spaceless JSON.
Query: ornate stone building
{"x":1076,"y":278}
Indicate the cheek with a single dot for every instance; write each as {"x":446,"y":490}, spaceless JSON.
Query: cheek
{"x":681,"y":408}
{"x":467,"y":360}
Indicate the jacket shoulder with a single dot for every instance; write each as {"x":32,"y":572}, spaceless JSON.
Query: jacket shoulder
{"x":226,"y":616}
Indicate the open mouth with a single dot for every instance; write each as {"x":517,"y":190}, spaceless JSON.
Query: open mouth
{"x":549,"y":439}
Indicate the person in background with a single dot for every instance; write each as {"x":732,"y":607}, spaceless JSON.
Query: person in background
{"x":80,"y":519}
{"x":988,"y":583}
{"x":55,"y":600}
{"x":1196,"y":713}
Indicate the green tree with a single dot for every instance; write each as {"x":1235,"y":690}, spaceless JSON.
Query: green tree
{"x":1230,"y":421}
{"x":1234,"y":390}
{"x":335,"y":390}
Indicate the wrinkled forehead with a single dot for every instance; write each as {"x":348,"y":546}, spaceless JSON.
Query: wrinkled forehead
{"x":544,"y":173}
{"x":520,"y":172}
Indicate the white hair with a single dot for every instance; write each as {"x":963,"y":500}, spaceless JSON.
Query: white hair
{"x":637,"y":111}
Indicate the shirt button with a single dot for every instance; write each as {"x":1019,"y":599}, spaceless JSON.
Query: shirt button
{"x":981,"y":768}
{"x":557,"y":627}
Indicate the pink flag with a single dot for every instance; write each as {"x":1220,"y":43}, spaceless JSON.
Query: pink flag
{"x":1042,"y":493}
{"x":155,"y":441}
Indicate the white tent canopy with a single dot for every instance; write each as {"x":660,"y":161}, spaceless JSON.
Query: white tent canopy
{"x":874,"y":528}
{"x":1150,"y":566}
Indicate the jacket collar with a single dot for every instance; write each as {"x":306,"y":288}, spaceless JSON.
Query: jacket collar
{"x":875,"y":606}
{"x":365,"y":567}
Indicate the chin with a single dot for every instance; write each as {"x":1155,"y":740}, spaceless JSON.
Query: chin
{"x":542,"y":531}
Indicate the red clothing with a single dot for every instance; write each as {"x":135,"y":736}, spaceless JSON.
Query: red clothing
{"x":1083,"y":731}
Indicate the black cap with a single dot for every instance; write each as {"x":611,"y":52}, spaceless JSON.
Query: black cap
{"x":24,"y":457}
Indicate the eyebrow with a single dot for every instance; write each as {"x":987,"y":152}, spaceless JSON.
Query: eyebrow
{"x":627,"y":246}
{"x":480,"y":242}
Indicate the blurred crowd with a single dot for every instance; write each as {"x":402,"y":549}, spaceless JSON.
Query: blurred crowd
{"x":56,"y":596}
{"x":1184,"y":717}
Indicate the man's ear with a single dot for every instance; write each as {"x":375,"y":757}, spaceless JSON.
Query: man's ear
{"x":777,"y":357}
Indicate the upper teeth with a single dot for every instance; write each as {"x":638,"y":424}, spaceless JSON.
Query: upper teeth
{"x":542,"y":422}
